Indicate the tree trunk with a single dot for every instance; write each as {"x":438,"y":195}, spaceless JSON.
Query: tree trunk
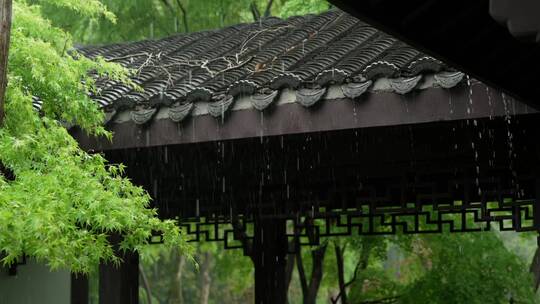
{"x":309,"y":291}
{"x":175,"y":291}
{"x":254,"y":11}
{"x":205,"y":277}
{"x":268,"y":10}
{"x":184,"y":15}
{"x":5,"y":29}
{"x":341,"y":273}
{"x":146,"y":285}
{"x":316,"y":274}
{"x":535,"y":268}
{"x":289,"y":270}
{"x":361,"y":265}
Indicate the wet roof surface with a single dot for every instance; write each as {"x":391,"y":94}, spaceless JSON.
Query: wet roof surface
{"x":259,"y":60}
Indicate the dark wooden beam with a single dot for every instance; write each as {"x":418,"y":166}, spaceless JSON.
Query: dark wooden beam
{"x":269,"y":259}
{"x":372,"y":110}
{"x":79,"y":289}
{"x":119,"y":284}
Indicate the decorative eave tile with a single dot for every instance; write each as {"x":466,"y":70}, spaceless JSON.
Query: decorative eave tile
{"x":219,"y":107}
{"x":285,"y":80}
{"x":308,"y":97}
{"x":330,"y":76}
{"x":261,"y":101}
{"x":242,"y":87}
{"x":354,"y":89}
{"x":379,"y":68}
{"x":404,"y":85}
{"x":448,"y":79}
{"x":142,"y":116}
{"x":179,"y":112}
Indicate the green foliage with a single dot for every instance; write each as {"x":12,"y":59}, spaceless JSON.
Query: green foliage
{"x":469,"y":268}
{"x":63,"y":202}
{"x":231,"y":275}
{"x":374,"y":284}
{"x":142,"y":19}
{"x":302,"y":7}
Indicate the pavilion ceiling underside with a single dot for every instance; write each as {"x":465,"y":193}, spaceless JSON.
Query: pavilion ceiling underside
{"x":258,"y":60}
{"x":491,"y":40}
{"x":414,"y":179}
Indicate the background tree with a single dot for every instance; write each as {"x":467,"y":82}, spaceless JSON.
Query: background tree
{"x":220,"y":277}
{"x":468,"y":268}
{"x":143,"y":19}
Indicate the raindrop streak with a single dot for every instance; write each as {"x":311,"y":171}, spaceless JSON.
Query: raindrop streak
{"x":222,"y":113}
{"x":166,"y":155}
{"x":475,"y":139}
{"x":490,"y":103}
{"x":469,"y":105}
{"x":510,"y":142}
{"x":261,"y":130}
{"x":450,"y":102}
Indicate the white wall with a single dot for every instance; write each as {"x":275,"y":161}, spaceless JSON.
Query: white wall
{"x":35,"y":284}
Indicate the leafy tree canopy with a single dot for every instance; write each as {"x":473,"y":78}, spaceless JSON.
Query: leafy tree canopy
{"x":58,"y":203}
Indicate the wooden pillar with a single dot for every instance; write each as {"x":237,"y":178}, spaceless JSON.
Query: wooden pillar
{"x":79,"y":289}
{"x":536,"y":206}
{"x":269,"y":258}
{"x":535,"y":265}
{"x":119,"y":284}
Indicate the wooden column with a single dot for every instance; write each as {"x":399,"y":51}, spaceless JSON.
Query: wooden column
{"x":119,"y":284}
{"x":535,"y":264}
{"x":536,"y":207}
{"x":5,"y":33}
{"x":269,"y":258}
{"x":79,"y":289}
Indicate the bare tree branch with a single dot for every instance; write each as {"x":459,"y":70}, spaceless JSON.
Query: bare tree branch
{"x":317,"y":257}
{"x":535,"y":268}
{"x":146,"y":285}
{"x":301,"y":271}
{"x":268,"y":10}
{"x":5,"y":31}
{"x":175,"y":12}
{"x":254,"y":11}
{"x":175,"y":288}
{"x":341,"y":274}
{"x":168,"y":5}
{"x":360,"y":265}
{"x":184,"y":15}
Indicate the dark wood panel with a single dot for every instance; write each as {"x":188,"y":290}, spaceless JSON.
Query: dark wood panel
{"x":372,"y":110}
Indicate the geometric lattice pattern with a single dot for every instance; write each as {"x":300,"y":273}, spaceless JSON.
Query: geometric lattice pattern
{"x":433,"y":213}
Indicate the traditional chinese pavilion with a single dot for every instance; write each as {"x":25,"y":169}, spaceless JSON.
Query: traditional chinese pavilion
{"x":314,"y":126}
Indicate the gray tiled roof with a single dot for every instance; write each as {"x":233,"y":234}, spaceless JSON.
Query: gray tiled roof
{"x":258,"y":60}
